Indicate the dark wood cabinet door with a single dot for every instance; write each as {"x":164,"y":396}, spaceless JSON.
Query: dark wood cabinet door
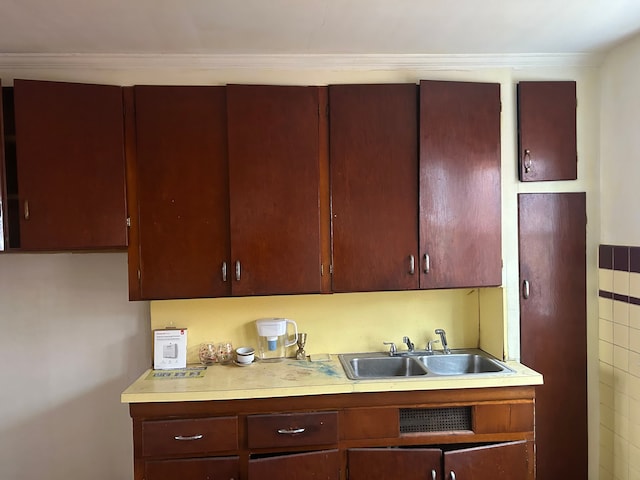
{"x":387,"y":463}
{"x":321,"y":465}
{"x":508,"y":461}
{"x":374,"y":192}
{"x":221,"y":468}
{"x":547,"y":131}
{"x":274,"y":189}
{"x":182,"y":191}
{"x":71,"y":167}
{"x":552,"y":244}
{"x":460,"y":219}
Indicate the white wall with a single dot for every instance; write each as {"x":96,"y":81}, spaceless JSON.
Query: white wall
{"x":297,"y":71}
{"x":70,"y":342}
{"x":620,"y":153}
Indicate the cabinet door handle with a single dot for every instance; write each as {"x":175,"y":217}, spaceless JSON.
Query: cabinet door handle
{"x":526,"y":290}
{"x":526,"y":161}
{"x":412,"y":265}
{"x":452,"y":474}
{"x":433,"y":475}
{"x":183,"y":438}
{"x":290,"y":431}
{"x":238,"y":270}
{"x":26,"y":210}
{"x":224,"y":271}
{"x":427,"y":263}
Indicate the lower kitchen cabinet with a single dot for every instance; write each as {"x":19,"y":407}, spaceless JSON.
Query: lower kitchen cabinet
{"x":322,"y":465}
{"x":480,"y":433}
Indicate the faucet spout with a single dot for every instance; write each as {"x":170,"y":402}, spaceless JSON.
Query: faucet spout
{"x":409,"y":343}
{"x":443,"y":340}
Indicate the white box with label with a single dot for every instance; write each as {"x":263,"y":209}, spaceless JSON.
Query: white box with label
{"x":170,"y":348}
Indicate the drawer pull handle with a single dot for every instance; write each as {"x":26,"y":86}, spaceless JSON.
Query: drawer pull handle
{"x":290,"y":431}
{"x":453,"y":475}
{"x":433,"y":475}
{"x":188,"y":438}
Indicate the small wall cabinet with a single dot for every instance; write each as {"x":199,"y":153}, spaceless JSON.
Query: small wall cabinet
{"x":547,"y":131}
{"x":64,"y":165}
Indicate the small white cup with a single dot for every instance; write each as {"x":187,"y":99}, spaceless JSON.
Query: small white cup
{"x":245,"y":354}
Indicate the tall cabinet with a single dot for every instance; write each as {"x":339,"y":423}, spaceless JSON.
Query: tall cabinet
{"x":552,"y":243}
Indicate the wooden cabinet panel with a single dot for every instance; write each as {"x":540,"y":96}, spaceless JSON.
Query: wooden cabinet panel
{"x":510,"y":461}
{"x":506,"y":417}
{"x":274,"y":189}
{"x":385,"y":463}
{"x":71,"y":167}
{"x":374,"y":192}
{"x":363,"y":423}
{"x":292,"y":429}
{"x":547,"y":131}
{"x":200,"y":435}
{"x":4,"y":226}
{"x":221,"y":468}
{"x":552,"y":246}
{"x":460,"y":219}
{"x":182,"y":191}
{"x":322,"y":465}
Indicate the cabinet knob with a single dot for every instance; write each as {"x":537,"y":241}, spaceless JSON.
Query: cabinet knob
{"x":26,"y":210}
{"x":412,"y":265}
{"x":238,"y":271}
{"x":427,"y":263}
{"x":452,"y":474}
{"x":433,"y":475}
{"x":526,"y":290}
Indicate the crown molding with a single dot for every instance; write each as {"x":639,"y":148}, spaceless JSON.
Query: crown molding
{"x":16,"y":61}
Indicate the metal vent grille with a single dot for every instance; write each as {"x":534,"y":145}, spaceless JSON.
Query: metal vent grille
{"x":414,"y":420}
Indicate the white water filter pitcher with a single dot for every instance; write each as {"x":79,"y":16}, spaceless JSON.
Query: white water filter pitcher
{"x":273,"y":338}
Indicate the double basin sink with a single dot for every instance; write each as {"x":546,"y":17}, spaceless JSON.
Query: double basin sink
{"x":378,"y":365}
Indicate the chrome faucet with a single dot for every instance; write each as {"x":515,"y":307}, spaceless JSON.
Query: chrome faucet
{"x":409,"y":343}
{"x":393,"y":350}
{"x":443,"y":340}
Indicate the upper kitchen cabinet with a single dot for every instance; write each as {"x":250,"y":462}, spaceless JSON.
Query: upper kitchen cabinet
{"x":274,"y":179}
{"x":460,"y":201}
{"x":547,"y":131}
{"x":69,"y":147}
{"x":374,"y":187}
{"x":179,"y":246}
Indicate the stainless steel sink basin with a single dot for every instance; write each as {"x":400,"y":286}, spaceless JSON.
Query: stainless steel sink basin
{"x":379,"y":365}
{"x":461,"y":364}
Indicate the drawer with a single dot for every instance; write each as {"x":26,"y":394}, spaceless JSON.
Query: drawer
{"x":189,"y":436}
{"x":292,"y":429}
{"x":223,"y":468}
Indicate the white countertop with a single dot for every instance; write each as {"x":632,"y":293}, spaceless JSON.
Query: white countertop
{"x":291,"y":377}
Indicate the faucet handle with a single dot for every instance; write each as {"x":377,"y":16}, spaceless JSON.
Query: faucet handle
{"x":392,"y":348}
{"x":430,"y":345}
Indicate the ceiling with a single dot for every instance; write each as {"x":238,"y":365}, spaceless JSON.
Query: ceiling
{"x":294,"y":27}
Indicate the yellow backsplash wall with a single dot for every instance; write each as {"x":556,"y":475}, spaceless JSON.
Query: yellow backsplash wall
{"x":338,"y":323}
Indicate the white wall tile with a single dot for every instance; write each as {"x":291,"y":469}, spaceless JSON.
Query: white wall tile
{"x":620,"y":358}
{"x":634,"y":364}
{"x":634,"y":316}
{"x":606,"y":373}
{"x":634,"y":340}
{"x":606,"y":352}
{"x":605,"y":308}
{"x":620,"y":382}
{"x":621,"y":335}
{"x":621,"y":312}
{"x":605,"y":279}
{"x":621,"y":282}
{"x":634,"y":387}
{"x":606,"y":330}
{"x":606,"y":395}
{"x":634,"y":284}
